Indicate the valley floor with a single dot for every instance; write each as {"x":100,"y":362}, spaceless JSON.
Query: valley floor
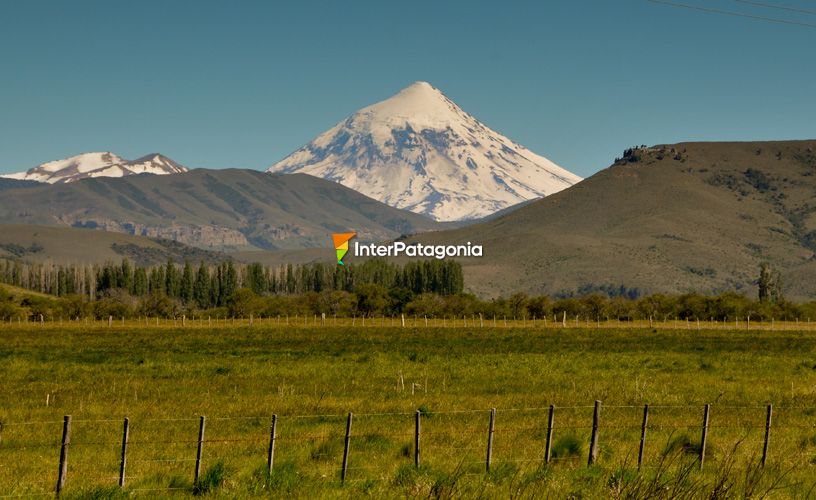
{"x":164,"y":378}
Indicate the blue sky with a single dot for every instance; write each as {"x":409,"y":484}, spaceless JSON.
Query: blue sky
{"x":242,"y":84}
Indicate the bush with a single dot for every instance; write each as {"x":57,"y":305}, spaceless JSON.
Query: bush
{"x":244,"y":303}
{"x":158,"y":304}
{"x":74,"y":306}
{"x":115,"y":302}
{"x":567,"y":446}
{"x":9,"y":311}
{"x":371,"y":298}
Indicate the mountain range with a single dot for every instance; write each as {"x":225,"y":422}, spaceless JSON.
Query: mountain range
{"x":421,"y":152}
{"x":667,"y":218}
{"x":98,"y":164}
{"x":416,"y":151}
{"x":223,"y":210}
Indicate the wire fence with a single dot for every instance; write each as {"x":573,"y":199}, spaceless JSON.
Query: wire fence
{"x":168,"y":453}
{"x":555,"y":321}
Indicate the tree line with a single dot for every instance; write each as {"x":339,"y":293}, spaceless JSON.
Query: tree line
{"x":206,"y":286}
{"x":430,"y":288}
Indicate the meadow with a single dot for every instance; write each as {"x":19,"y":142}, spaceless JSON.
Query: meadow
{"x":312,"y":374}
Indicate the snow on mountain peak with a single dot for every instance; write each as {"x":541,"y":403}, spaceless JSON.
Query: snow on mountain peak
{"x":418,"y":150}
{"x":97,"y":164}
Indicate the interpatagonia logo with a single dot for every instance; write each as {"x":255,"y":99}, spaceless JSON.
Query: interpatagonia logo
{"x":400,"y":248}
{"x":341,"y":245}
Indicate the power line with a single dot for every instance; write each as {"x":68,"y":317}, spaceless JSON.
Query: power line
{"x":731,"y":13}
{"x":779,"y":7}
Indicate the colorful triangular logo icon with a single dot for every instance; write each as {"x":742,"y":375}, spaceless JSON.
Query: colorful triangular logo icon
{"x":341,"y":245}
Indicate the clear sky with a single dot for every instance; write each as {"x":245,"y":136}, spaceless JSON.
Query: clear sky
{"x":243,"y":84}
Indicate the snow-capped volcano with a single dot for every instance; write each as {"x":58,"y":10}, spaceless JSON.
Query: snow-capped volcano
{"x":104,"y":164}
{"x":418,"y":150}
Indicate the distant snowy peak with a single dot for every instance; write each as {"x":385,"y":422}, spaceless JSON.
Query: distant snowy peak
{"x":155,"y":164}
{"x":418,"y":150}
{"x":98,"y":164}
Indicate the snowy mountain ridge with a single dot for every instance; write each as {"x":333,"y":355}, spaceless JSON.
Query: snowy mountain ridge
{"x":419,"y":151}
{"x":97,"y":164}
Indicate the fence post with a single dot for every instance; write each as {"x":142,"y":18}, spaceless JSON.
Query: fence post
{"x":63,"y":461}
{"x":416,"y":437}
{"x":201,"y":424}
{"x":270,"y":459}
{"x":704,"y":437}
{"x":548,"y":445}
{"x":346,"y":448}
{"x":767,"y":434}
{"x":643,"y":435}
{"x":593,"y":442}
{"x":123,"y":462}
{"x":490,"y":432}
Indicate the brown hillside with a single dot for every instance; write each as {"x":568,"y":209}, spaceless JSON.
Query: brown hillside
{"x":670,"y":218}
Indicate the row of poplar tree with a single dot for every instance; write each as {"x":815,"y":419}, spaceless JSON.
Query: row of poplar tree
{"x":212,"y":285}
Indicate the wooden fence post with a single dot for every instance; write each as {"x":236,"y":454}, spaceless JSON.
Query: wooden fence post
{"x":490,"y":431}
{"x":123,"y":461}
{"x":768,"y":416}
{"x":704,"y":436}
{"x":593,"y":442}
{"x":344,"y":470}
{"x":643,"y":435}
{"x":548,"y":445}
{"x":201,"y":424}
{"x":416,"y":437}
{"x":63,"y":459}
{"x":270,"y":459}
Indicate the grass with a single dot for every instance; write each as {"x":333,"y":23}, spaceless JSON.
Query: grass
{"x":164,"y":378}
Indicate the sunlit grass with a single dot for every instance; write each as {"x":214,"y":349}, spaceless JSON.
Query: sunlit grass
{"x":164,"y":377}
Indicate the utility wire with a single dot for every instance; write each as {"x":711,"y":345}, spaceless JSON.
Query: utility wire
{"x":731,"y":13}
{"x":779,"y":7}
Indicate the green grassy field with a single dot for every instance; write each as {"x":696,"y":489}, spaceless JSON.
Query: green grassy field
{"x":163,"y":378}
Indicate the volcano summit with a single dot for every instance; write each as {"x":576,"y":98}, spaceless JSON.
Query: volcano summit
{"x":419,"y":151}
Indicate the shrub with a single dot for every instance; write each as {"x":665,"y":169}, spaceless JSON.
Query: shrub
{"x":567,"y":446}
